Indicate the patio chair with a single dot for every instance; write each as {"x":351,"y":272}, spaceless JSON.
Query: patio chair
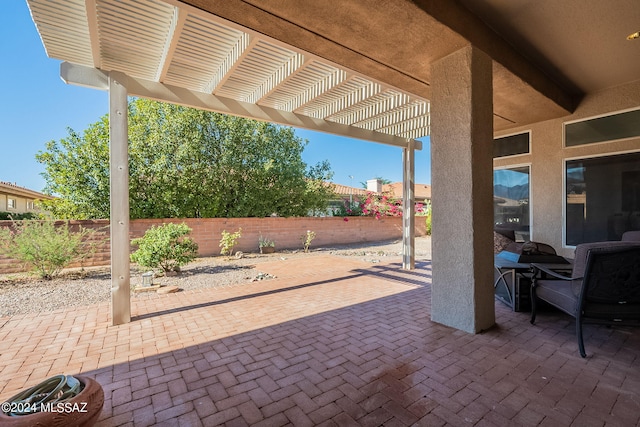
{"x":631,"y":236}
{"x":604,"y":286}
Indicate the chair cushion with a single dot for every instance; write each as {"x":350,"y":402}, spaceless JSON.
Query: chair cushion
{"x":562,"y":294}
{"x":631,"y":236}
{"x":582,"y":250}
{"x":506,"y":232}
{"x":500,"y":242}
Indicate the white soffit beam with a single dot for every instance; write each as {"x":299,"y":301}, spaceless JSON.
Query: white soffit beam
{"x":90,"y":77}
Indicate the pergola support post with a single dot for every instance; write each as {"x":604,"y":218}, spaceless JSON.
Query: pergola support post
{"x":119,"y":200}
{"x":408,"y":210}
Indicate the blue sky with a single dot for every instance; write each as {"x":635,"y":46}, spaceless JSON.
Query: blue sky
{"x":37,"y":106}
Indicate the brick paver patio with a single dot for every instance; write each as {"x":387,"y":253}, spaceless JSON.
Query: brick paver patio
{"x":330,"y":341}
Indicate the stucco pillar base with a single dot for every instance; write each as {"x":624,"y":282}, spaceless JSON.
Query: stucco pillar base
{"x":462,"y":191}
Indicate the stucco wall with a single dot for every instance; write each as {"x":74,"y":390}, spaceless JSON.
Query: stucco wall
{"x":548,"y":155}
{"x":286,"y":232}
{"x":21,"y":204}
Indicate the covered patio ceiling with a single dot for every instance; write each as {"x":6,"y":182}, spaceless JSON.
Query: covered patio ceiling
{"x":361,"y":69}
{"x":358,"y":68}
{"x":177,"y":53}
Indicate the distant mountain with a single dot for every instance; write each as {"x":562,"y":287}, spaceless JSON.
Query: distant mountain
{"x":517,"y":192}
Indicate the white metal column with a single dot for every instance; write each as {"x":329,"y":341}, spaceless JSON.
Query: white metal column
{"x":119,"y":200}
{"x":408,"y":208}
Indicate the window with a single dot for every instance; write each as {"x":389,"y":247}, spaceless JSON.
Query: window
{"x":607,"y":128}
{"x":11,"y":203}
{"x":511,"y":201}
{"x":511,"y":145}
{"x":602,"y":198}
{"x":30,"y":205}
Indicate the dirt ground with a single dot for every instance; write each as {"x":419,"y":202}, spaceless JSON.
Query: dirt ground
{"x":23,"y":294}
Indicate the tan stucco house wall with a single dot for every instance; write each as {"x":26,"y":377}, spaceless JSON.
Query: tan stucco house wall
{"x":16,"y":199}
{"x":548,"y":155}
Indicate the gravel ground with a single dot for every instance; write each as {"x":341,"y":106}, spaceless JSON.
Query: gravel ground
{"x":21,"y":294}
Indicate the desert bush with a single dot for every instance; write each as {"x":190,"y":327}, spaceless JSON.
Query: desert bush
{"x":166,"y":247}
{"x":307,"y":238}
{"x":42,"y":246}
{"x":228,"y":241}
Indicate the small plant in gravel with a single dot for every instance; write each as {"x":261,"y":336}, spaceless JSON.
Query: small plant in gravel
{"x":265,"y":242}
{"x":47,"y":249}
{"x":167,"y":247}
{"x":228,"y":241}
{"x":266,"y":245}
{"x":307,"y":238}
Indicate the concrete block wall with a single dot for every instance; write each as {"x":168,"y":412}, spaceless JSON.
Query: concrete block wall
{"x":207,"y":232}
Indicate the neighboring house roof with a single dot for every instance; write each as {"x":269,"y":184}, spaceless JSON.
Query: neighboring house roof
{"x":13,"y":189}
{"x":344,"y":190}
{"x":420,"y":191}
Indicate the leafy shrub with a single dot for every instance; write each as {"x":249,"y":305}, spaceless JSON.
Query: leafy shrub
{"x":426,"y":211}
{"x":166,"y":246}
{"x":47,"y":249}
{"x":228,"y":241}
{"x":379,"y":205}
{"x":17,"y":216}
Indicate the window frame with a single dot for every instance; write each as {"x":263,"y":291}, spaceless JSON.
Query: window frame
{"x":564,"y":184}
{"x":516,"y":166}
{"x":12,"y":203}
{"x":595,"y":144}
{"x":528,"y":153}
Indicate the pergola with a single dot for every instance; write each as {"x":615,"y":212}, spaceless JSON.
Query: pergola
{"x":173,"y":52}
{"x":375,"y":70}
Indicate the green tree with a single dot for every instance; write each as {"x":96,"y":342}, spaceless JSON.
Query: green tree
{"x":186,"y":163}
{"x":77,"y":170}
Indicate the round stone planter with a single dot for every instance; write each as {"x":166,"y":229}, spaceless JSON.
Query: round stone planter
{"x":267,"y":250}
{"x":83,"y":410}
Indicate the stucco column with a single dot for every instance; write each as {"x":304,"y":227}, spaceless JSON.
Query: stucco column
{"x":462,"y":191}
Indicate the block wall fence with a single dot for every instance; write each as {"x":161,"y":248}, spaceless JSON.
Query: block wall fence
{"x":207,"y":232}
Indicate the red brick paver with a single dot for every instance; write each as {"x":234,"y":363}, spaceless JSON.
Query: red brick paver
{"x":330,"y":341}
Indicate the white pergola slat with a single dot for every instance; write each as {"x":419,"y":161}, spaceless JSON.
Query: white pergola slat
{"x":171,"y":52}
{"x":170,"y":43}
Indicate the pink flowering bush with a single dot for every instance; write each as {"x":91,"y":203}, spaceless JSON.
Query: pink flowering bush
{"x":376,"y":205}
{"x":381,"y":205}
{"x":348,"y":208}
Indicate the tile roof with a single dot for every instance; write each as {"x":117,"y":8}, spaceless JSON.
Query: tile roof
{"x":421,"y":191}
{"x":14,"y":189}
